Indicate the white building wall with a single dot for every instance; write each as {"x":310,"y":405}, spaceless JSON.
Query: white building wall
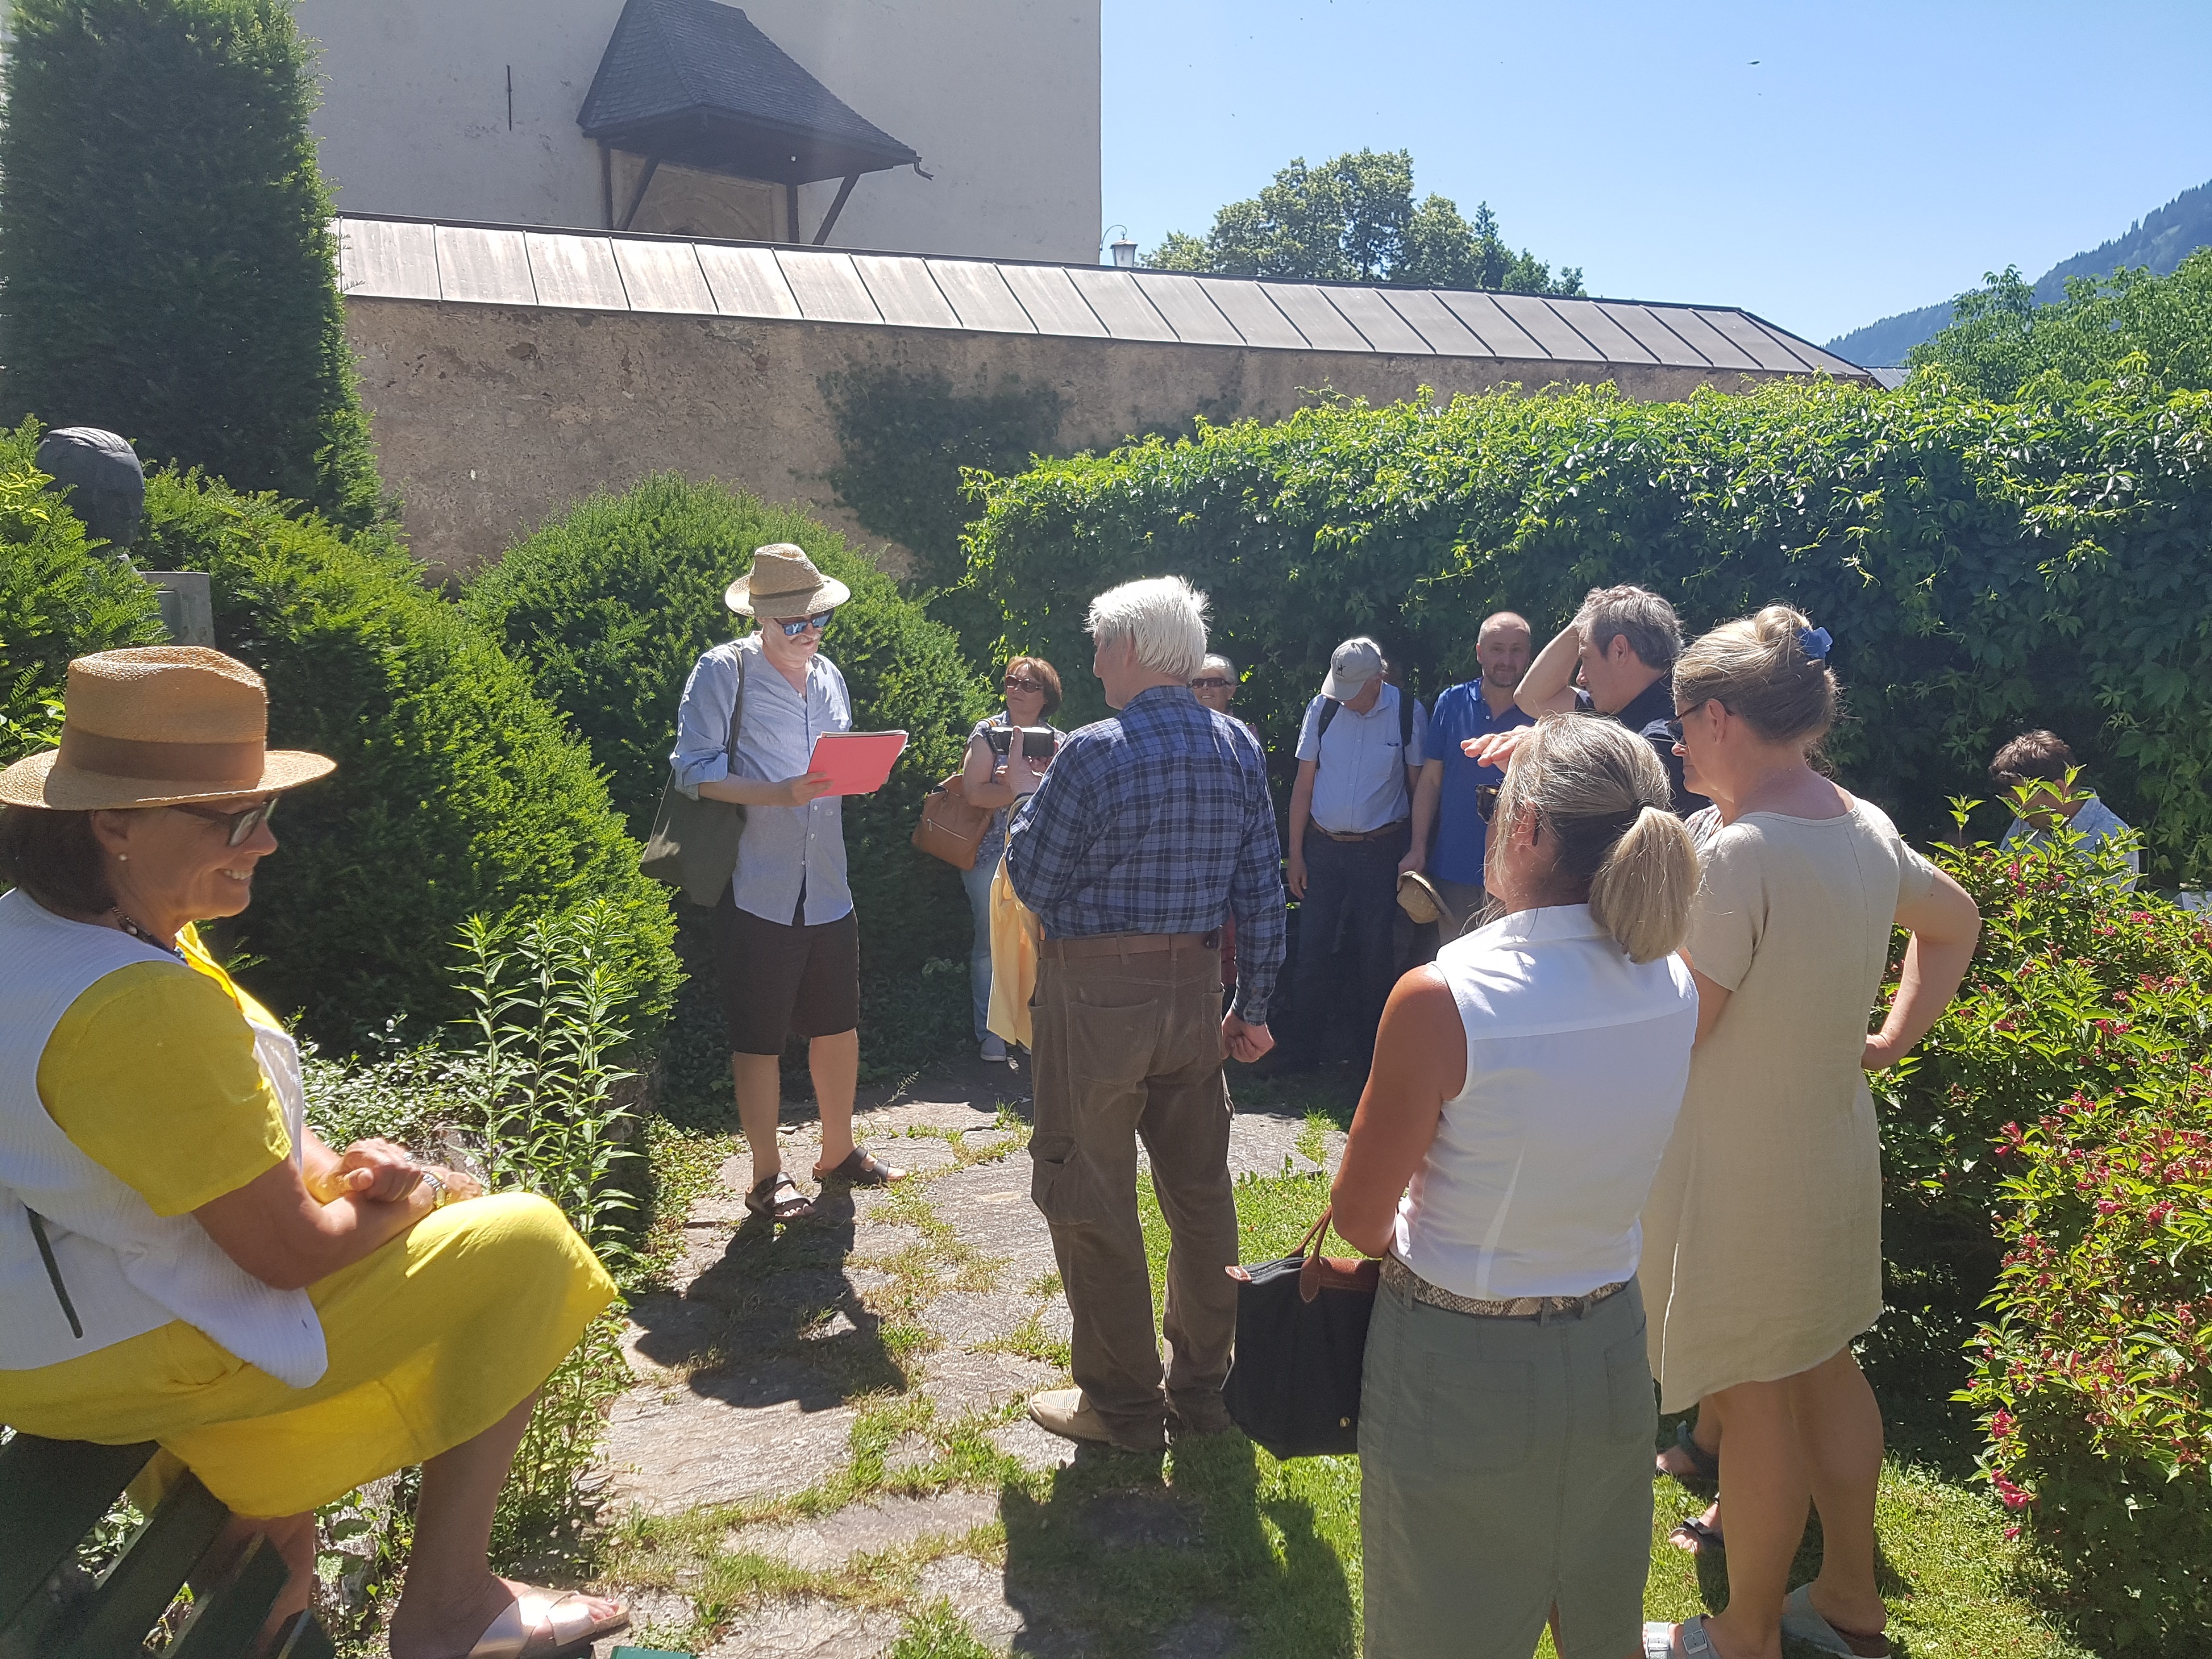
{"x":1001,"y":98}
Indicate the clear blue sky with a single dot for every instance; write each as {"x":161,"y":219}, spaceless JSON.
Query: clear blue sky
{"x":1876,"y":156}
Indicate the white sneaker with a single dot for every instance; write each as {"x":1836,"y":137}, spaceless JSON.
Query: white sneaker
{"x":994,"y":1048}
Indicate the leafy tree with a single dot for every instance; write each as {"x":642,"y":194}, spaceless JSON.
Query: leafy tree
{"x":2000,"y":341}
{"x":1354,"y":219}
{"x":166,"y":248}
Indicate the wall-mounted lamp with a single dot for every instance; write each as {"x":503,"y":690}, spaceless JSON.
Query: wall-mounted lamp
{"x":1124,"y":248}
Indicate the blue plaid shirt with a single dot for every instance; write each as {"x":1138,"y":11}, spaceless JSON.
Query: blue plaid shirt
{"x":1157,"y":820}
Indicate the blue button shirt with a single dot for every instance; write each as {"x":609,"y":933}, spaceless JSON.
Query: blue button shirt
{"x":785,"y":849}
{"x":1158,"y":821}
{"x":1462,"y":713}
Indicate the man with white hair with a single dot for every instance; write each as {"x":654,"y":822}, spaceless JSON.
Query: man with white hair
{"x":1153,"y":828}
{"x":1448,"y":797}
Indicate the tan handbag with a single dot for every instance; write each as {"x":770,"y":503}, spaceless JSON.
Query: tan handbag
{"x":950,"y":829}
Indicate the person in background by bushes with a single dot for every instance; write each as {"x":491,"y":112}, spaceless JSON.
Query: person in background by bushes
{"x":1525,"y":1084}
{"x":1445,"y":800}
{"x":1762,"y":1242}
{"x":181,"y":1259}
{"x":1152,"y":826}
{"x":1001,"y":781}
{"x":787,"y":945}
{"x":1359,"y":751}
{"x":1215,"y":685}
{"x":2039,"y":776}
{"x":1621,"y":645}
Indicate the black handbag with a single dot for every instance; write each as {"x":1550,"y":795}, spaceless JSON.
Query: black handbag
{"x":1301,"y":1345}
{"x":694,"y":844}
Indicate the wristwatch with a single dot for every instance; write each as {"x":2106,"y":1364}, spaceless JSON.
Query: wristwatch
{"x":440,"y":1192}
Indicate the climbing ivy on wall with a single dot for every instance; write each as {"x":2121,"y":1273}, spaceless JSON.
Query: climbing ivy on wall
{"x":906,"y":437}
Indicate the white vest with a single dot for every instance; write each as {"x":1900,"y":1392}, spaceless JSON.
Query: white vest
{"x":127,"y":1271}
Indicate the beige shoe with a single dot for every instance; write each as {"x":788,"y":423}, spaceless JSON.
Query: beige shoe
{"x":1066,"y":1413}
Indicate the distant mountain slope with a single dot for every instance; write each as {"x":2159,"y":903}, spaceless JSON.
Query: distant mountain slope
{"x":2162,"y":240}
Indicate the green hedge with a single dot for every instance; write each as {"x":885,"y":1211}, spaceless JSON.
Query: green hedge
{"x":1983,"y":567}
{"x":458,"y":790}
{"x":166,"y":247}
{"x":611,"y":606}
{"x":56,"y":601}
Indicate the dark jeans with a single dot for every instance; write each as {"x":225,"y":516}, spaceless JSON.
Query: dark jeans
{"x":1352,"y":890}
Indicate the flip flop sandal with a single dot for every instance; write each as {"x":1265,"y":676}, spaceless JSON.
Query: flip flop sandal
{"x":1659,"y":1640}
{"x":1703,"y":1537}
{"x":861,"y":1168}
{"x":769,"y":1199}
{"x":1705,"y":1471}
{"x":546,"y":1625}
{"x":1800,"y":1621}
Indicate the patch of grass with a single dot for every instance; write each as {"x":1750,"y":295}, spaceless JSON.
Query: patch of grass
{"x":938,"y":1632}
{"x":684,"y":1167}
{"x":1313,"y":1139}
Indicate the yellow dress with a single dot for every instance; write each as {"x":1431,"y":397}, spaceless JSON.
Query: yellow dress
{"x":432,"y":1339}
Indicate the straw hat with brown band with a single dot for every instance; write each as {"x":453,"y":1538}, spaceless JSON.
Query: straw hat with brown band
{"x":159,"y":726}
{"x":783,"y":583}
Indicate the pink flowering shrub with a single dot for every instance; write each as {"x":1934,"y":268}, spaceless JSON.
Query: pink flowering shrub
{"x":2062,"y":1108}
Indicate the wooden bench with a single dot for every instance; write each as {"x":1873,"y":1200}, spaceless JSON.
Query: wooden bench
{"x":53,"y":1493}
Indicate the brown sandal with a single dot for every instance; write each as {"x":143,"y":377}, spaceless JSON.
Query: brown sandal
{"x":861,"y":1168}
{"x":769,"y":1199}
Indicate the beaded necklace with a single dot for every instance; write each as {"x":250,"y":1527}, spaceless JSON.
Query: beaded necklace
{"x":142,"y":935}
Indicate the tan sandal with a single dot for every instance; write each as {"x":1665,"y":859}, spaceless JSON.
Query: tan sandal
{"x":543,"y":1624}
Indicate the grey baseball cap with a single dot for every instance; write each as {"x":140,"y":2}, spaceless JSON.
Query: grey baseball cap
{"x":1350,"y":665}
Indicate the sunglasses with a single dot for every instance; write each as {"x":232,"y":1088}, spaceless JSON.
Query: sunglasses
{"x":242,"y":824}
{"x":1485,"y":800}
{"x":795,"y":626}
{"x":1017,"y":684}
{"x":1211,"y":682}
{"x":1675,"y":725}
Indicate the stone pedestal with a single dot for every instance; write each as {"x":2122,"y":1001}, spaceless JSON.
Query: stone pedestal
{"x":187,"y":606}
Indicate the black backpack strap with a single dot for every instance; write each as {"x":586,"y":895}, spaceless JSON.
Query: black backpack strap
{"x":1328,"y":708}
{"x":1405,"y":718}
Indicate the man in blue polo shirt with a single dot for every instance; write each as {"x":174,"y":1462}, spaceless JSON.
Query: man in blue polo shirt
{"x":1444,"y":798}
{"x":1359,"y":750}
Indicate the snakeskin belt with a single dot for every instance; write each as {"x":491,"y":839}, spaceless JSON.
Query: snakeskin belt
{"x":1397,"y":1274}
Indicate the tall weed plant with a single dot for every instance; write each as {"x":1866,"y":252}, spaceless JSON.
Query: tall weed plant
{"x":527,"y":1089}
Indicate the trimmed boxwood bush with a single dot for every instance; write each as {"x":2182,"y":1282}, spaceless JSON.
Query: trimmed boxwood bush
{"x":56,"y":601}
{"x":166,"y":245}
{"x":459,"y":792}
{"x":1983,"y":567}
{"x":611,"y":606}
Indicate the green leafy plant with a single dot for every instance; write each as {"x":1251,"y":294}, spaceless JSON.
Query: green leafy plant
{"x":1354,"y":219}
{"x":1983,"y":567}
{"x":458,"y":792}
{"x":2094,"y":1378}
{"x":610,"y":608}
{"x":548,"y":996}
{"x":165,"y":243}
{"x":2002,"y":343}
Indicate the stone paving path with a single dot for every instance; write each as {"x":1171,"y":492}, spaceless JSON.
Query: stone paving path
{"x":754,"y":1369}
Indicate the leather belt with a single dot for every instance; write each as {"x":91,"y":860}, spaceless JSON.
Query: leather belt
{"x":1398,"y":1274}
{"x":1384,"y":833}
{"x":1125,"y":945}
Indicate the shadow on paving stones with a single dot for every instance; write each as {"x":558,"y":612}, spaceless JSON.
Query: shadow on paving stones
{"x":1122,"y":1558}
{"x":777,"y":1319}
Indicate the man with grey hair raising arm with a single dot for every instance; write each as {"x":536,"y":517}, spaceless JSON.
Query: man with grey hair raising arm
{"x":1152,"y":827}
{"x":1624,"y":640}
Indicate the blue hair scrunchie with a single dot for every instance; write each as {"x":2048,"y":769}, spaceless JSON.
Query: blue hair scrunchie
{"x":1814,"y":642}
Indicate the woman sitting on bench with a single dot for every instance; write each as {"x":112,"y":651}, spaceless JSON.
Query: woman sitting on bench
{"x":181,"y":1260}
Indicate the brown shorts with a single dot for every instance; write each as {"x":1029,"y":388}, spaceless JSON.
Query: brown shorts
{"x":779,"y":981}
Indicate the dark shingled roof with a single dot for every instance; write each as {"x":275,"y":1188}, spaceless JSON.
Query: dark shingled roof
{"x":695,"y":82}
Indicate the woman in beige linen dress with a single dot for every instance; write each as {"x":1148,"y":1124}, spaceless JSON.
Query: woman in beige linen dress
{"x":1762,"y":1240}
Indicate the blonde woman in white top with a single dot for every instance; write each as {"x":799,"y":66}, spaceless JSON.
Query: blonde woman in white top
{"x":1763,"y":1240}
{"x":1524,"y":1088}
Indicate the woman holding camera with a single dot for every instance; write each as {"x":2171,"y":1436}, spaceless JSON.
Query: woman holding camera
{"x":1001,"y":771}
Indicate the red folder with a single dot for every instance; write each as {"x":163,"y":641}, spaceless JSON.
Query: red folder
{"x":857,"y":762}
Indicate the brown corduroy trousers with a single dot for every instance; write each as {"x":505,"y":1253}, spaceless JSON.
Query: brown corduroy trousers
{"x":1128,"y":1046}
